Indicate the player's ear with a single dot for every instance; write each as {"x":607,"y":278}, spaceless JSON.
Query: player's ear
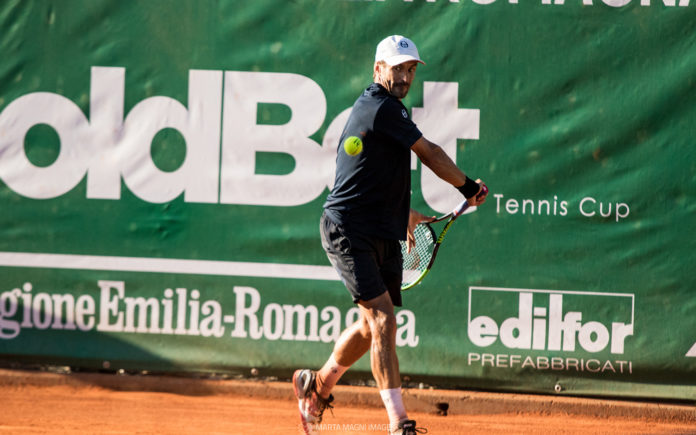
{"x":377,"y":70}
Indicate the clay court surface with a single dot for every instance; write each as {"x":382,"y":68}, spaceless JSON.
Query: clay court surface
{"x":49,"y":403}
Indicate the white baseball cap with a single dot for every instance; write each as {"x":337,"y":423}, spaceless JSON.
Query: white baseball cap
{"x":397,"y":49}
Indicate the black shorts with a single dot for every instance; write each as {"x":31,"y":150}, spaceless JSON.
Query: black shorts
{"x":368,"y":266}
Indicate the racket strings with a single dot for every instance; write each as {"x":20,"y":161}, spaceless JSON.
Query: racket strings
{"x":417,"y":261}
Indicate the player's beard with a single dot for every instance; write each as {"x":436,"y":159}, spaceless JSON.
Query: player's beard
{"x":399,"y":90}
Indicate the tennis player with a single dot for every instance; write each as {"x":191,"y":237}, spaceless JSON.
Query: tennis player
{"x":365,"y":216}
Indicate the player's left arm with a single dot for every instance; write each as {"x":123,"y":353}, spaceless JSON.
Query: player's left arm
{"x":435,"y":158}
{"x":414,"y":218}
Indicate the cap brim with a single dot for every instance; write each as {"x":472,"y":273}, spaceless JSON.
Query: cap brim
{"x":397,"y":60}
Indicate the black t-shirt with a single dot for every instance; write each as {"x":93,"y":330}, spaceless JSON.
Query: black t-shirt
{"x":372,"y":191}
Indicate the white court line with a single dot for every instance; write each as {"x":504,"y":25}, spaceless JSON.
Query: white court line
{"x":166,"y":265}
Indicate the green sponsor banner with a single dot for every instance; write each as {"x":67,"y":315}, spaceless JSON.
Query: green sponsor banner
{"x":163,"y":166}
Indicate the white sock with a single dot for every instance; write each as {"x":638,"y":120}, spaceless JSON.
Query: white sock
{"x":395,"y":406}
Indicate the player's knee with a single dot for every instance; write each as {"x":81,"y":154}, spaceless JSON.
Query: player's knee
{"x":383,"y":324}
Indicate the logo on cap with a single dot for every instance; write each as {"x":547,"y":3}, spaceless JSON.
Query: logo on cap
{"x":396,"y":49}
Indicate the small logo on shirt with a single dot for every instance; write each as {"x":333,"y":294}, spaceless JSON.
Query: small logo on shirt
{"x":404,"y":113}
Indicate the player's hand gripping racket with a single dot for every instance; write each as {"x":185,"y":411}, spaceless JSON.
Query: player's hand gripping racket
{"x":419,"y":261}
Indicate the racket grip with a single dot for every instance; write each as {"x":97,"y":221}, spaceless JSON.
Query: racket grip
{"x":461,"y":208}
{"x":483,"y":192}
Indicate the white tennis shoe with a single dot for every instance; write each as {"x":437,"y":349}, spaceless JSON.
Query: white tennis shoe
{"x":310,"y":404}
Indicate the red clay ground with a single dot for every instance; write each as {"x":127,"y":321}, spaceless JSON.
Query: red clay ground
{"x":41,"y":403}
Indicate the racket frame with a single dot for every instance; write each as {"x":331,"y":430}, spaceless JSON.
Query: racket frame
{"x":454,"y":214}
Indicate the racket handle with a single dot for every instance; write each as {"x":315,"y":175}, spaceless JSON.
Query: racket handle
{"x":483,"y":192}
{"x":461,"y":208}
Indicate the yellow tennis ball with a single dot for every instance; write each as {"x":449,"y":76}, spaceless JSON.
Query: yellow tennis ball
{"x":353,"y":145}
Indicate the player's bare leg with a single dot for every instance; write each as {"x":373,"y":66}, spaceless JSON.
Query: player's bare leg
{"x":313,"y":389}
{"x":379,"y":315}
{"x":375,"y":330}
{"x":353,"y":343}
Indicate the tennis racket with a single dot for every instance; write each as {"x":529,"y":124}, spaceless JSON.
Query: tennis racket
{"x":419,"y":261}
